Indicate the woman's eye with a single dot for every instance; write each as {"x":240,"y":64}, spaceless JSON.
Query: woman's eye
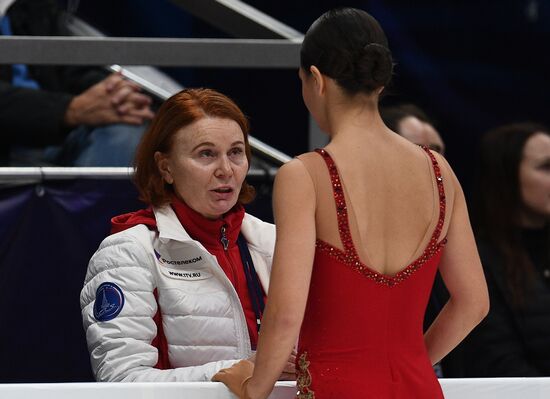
{"x":206,"y":153}
{"x":236,"y":151}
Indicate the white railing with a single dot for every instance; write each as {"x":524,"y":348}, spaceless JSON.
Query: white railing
{"x":465,"y":388}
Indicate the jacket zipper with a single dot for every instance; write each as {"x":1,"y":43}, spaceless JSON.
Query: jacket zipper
{"x":225,"y":244}
{"x":223,"y":238}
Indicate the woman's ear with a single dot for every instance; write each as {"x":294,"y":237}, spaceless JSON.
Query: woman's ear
{"x":163,"y":166}
{"x":320,"y":82}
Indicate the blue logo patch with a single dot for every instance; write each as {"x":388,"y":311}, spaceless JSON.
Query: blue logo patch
{"x":109,"y":301}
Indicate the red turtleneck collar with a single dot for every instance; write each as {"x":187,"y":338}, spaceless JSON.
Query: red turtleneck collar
{"x":200,"y":228}
{"x":208,"y":231}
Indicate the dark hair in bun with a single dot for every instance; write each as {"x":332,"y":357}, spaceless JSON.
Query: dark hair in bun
{"x":349,"y":46}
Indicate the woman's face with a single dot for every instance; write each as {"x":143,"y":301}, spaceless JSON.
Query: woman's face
{"x":206,"y":165}
{"x":534,"y":179}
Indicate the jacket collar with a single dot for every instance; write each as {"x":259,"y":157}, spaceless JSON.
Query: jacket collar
{"x":208,"y":231}
{"x":180,"y":222}
{"x":257,"y":233}
{"x":168,"y":225}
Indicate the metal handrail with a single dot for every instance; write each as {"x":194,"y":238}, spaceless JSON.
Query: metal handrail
{"x":213,"y":53}
{"x":36,"y":174}
{"x":239,"y":19}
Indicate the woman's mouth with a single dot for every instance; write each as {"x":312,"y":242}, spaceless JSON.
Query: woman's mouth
{"x":223,"y":190}
{"x":223,"y":193}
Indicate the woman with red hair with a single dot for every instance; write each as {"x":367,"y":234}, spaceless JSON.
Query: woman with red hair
{"x":178,"y":291}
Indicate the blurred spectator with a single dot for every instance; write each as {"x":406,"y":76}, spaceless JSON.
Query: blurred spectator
{"x":412,"y":123}
{"x":97,"y":119}
{"x":511,"y":216}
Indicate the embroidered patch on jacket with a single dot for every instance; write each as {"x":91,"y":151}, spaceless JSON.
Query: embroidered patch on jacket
{"x":189,"y":275}
{"x":109,"y":301}
{"x":189,"y":265}
{"x":178,"y":262}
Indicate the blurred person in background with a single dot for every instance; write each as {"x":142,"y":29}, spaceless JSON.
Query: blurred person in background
{"x":64,"y":115}
{"x":411,"y":122}
{"x":177,"y":292}
{"x":511,"y":216}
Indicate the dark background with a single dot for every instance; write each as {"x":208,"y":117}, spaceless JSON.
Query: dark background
{"x":470,"y":65}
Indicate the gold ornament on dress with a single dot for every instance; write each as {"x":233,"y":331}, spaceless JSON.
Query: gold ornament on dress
{"x":303,"y":378}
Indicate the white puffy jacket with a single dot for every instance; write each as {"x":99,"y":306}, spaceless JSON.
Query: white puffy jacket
{"x":202,"y":317}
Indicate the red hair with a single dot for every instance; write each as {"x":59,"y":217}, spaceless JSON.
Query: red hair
{"x":179,"y":111}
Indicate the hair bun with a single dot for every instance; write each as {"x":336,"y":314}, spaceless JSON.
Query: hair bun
{"x":374,"y":66}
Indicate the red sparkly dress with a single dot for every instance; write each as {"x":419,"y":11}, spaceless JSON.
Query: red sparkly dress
{"x":362,"y":332}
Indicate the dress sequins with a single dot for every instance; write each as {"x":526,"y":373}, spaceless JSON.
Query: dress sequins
{"x":349,"y":255}
{"x":303,"y":378}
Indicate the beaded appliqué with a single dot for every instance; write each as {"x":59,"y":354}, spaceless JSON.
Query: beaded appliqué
{"x":303,"y":378}
{"x":349,"y":255}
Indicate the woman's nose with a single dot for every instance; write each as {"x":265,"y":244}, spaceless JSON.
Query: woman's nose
{"x":224,"y":167}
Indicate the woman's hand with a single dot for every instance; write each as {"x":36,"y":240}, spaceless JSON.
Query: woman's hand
{"x":236,"y":377}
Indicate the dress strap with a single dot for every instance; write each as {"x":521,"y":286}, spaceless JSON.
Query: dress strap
{"x":349,"y":254}
{"x":342,"y":210}
{"x":340,"y":201}
{"x":442,"y":201}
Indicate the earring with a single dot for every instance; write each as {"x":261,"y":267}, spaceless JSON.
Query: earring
{"x":168,"y":179}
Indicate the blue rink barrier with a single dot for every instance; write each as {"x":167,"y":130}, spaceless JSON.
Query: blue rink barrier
{"x":467,"y":388}
{"x":48,"y":232}
{"x":49,"y":228}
